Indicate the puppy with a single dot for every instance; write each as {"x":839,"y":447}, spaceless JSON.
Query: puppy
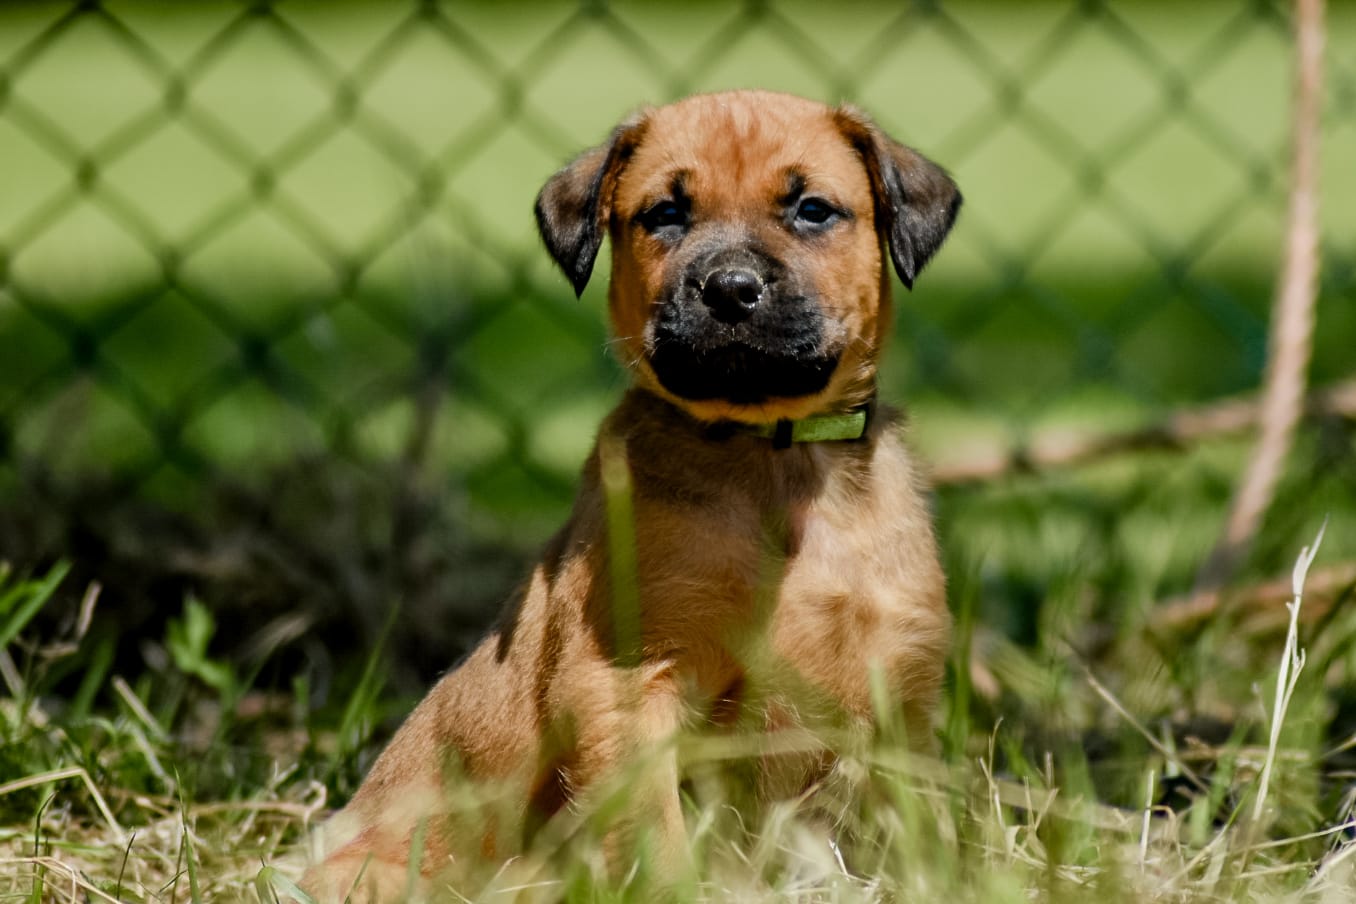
{"x":750,"y":545}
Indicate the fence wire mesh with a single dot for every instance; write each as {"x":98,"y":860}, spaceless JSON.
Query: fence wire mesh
{"x":239,"y":236}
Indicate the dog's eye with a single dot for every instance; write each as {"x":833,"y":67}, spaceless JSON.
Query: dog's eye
{"x":664,"y":214}
{"x":815,"y":212}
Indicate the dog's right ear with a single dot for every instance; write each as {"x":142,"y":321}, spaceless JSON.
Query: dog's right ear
{"x":575,"y":204}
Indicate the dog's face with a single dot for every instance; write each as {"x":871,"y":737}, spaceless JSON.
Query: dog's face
{"x":748,"y":281}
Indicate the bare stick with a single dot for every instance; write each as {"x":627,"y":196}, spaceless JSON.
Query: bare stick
{"x":1292,"y":313}
{"x":1324,"y":587}
{"x":1056,"y":448}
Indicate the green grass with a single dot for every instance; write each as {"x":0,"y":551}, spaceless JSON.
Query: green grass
{"x":196,"y":780}
{"x":303,"y":497}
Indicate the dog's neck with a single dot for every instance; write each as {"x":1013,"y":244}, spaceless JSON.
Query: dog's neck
{"x":829,"y":426}
{"x":690,"y":462}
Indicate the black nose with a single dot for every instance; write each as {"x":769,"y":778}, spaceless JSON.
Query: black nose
{"x":732,"y":294}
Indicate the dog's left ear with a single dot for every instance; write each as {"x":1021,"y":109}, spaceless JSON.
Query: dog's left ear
{"x":575,"y":204}
{"x":916,"y":201}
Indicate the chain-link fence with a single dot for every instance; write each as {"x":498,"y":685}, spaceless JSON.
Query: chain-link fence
{"x":236,"y":238}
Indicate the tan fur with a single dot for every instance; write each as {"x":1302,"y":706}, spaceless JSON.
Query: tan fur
{"x":543,"y":711}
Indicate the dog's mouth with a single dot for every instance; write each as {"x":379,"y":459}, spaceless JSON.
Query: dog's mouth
{"x":779,"y":355}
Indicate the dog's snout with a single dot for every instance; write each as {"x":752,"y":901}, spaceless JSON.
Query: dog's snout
{"x":732,"y":293}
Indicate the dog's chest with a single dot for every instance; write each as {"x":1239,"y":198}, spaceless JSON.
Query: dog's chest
{"x":803,"y":578}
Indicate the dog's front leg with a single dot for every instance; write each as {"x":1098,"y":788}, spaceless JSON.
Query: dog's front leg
{"x":626,"y":770}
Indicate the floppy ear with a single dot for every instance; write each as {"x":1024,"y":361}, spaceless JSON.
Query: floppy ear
{"x":574,"y":205}
{"x":916,"y":201}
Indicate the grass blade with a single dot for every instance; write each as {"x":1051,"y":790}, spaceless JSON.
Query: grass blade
{"x":25,"y":601}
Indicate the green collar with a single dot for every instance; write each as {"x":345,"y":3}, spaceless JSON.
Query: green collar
{"x":821,"y":428}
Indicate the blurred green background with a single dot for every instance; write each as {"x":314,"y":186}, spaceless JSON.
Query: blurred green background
{"x":276,"y":329}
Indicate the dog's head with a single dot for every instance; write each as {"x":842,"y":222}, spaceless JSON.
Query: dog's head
{"x":748,"y":280}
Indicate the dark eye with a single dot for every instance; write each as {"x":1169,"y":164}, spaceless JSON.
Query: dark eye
{"x":815,"y":212}
{"x":664,"y":214}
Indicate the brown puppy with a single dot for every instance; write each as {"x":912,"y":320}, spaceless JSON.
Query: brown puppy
{"x":780,"y":548}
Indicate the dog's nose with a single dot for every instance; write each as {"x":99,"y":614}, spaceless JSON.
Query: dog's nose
{"x":732,"y":293}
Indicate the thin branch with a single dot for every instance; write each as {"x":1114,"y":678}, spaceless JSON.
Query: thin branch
{"x":1058,"y":448}
{"x":1323,"y":587}
{"x":1292,"y":323}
